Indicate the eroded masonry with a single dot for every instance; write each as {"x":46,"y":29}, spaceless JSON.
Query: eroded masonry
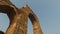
{"x":19,"y":18}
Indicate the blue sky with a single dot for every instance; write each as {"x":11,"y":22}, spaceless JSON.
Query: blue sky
{"x":48,"y":12}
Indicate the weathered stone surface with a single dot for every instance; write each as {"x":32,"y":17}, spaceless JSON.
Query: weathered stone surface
{"x":19,"y":18}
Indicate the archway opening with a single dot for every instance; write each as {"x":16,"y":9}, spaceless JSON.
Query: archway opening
{"x":30,"y":27}
{"x":4,"y":22}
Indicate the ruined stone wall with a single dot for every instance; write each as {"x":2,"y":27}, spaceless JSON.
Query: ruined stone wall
{"x":19,"y":18}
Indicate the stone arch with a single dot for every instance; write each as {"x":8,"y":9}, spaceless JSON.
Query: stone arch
{"x":35,"y":23}
{"x":7,"y":10}
{"x":34,"y":20}
{"x":11,"y":11}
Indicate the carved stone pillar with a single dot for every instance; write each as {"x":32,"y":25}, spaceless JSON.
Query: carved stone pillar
{"x":19,"y":18}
